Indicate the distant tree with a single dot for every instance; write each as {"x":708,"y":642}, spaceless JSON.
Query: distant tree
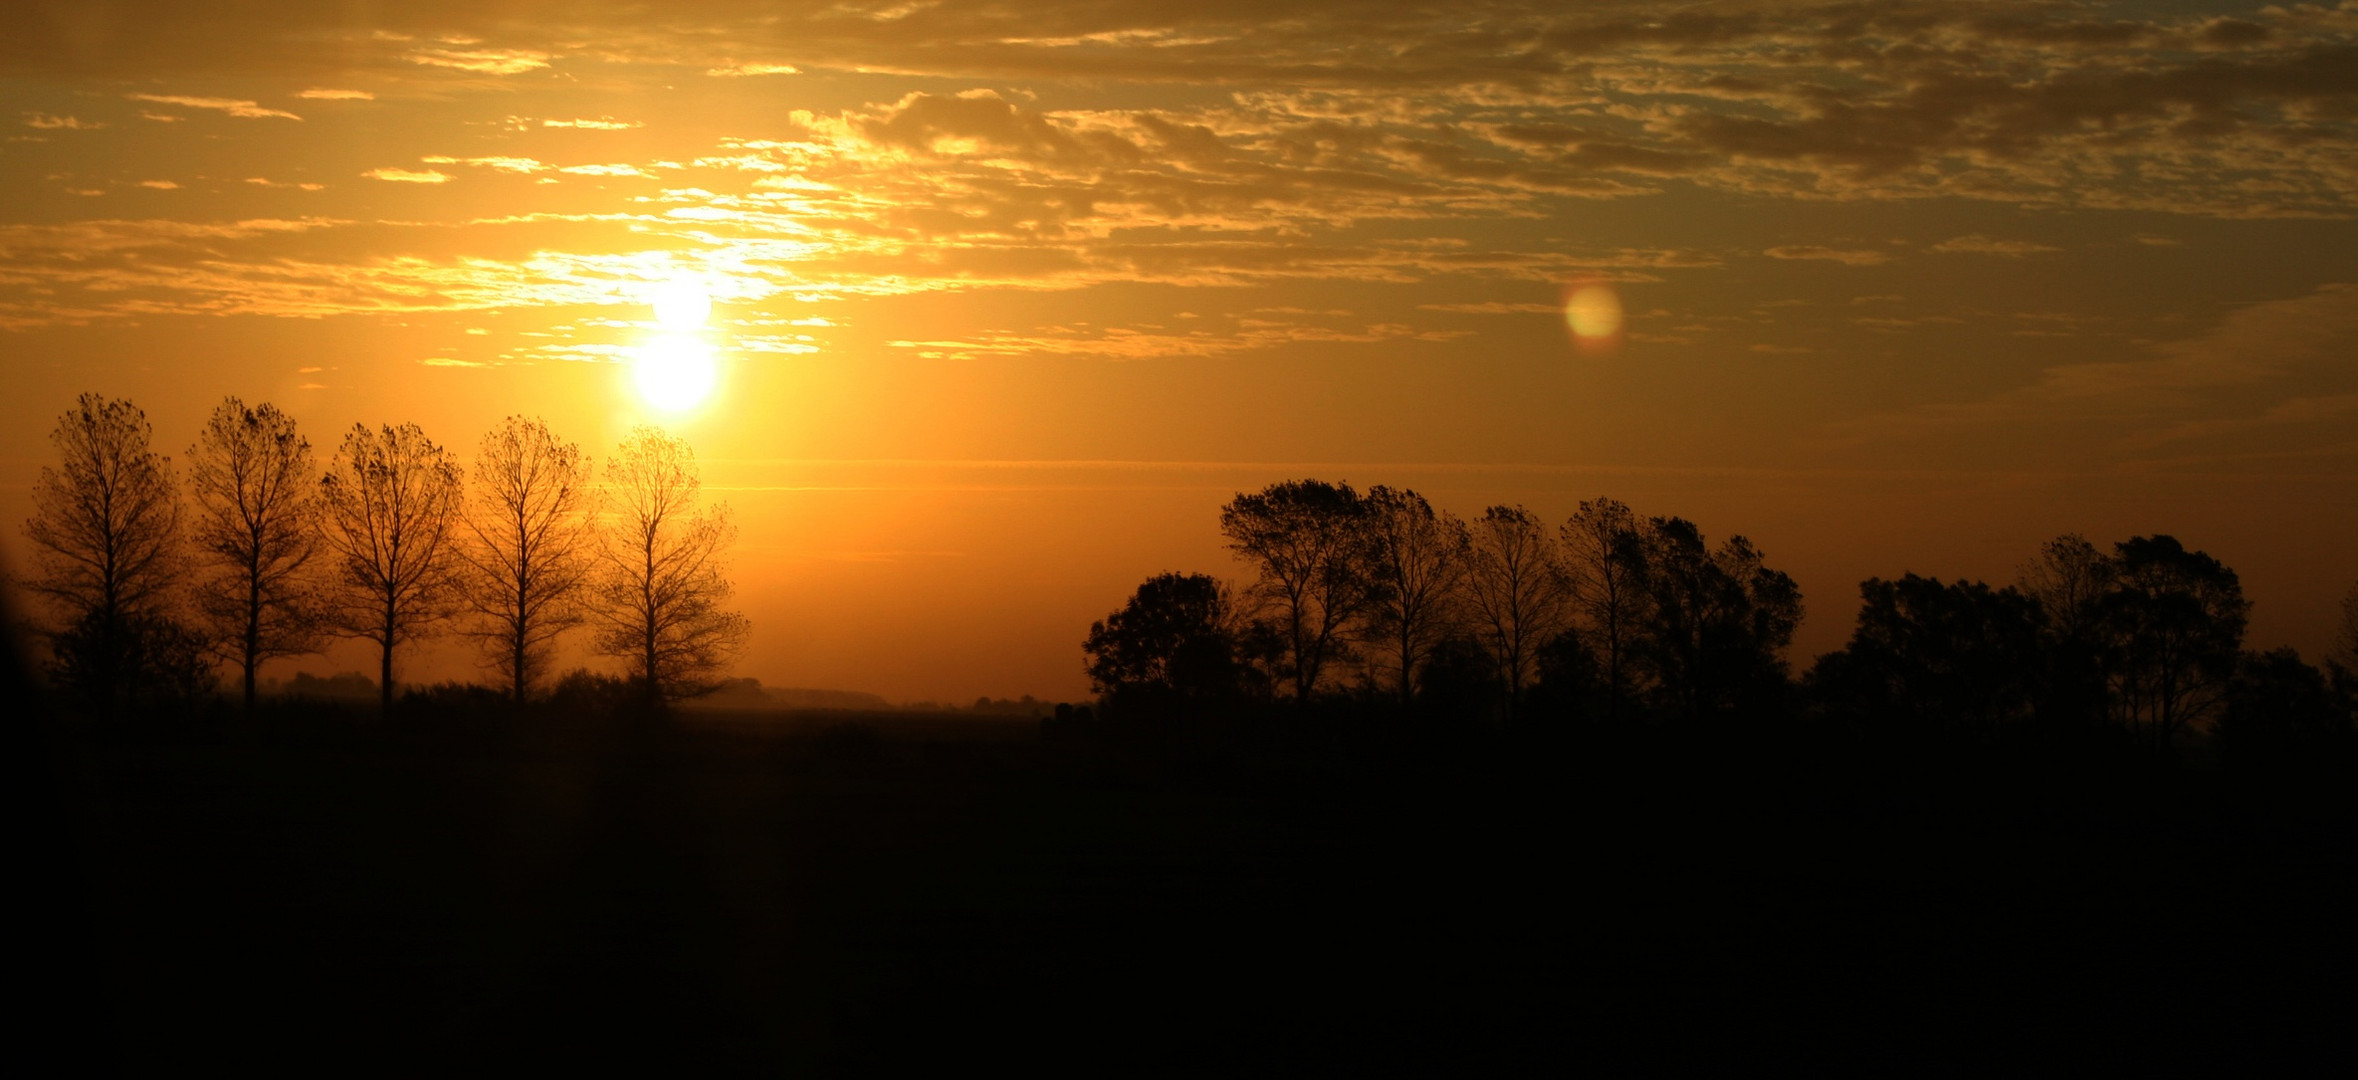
{"x":392,"y":502}
{"x":1306,"y":540}
{"x":2280,"y":713}
{"x":2173,"y":625}
{"x":1603,"y":563}
{"x":1416,"y":561}
{"x":529,"y":557}
{"x":1173,"y":644}
{"x":257,"y":528}
{"x":1516,"y":594}
{"x":1716,"y":622}
{"x":2070,"y":579}
{"x":2344,"y":656}
{"x":1960,"y":659}
{"x":108,"y":558}
{"x":658,"y":589}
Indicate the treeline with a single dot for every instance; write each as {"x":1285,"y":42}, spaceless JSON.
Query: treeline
{"x":1376,"y":602}
{"x":148,"y":581}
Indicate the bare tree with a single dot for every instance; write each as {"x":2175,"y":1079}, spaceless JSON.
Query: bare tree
{"x":257,"y":528}
{"x":1304,"y":538}
{"x":2345,"y":646}
{"x":107,"y":554}
{"x":659,"y":585}
{"x":1416,"y":563}
{"x":393,"y":500}
{"x":1605,"y":573}
{"x":1516,"y":592}
{"x":529,"y":560}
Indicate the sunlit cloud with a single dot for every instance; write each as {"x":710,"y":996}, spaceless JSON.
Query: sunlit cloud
{"x":1846,"y":256}
{"x":51,"y":122}
{"x":159,"y":185}
{"x":249,"y":110}
{"x":603,"y":123}
{"x":483,"y":61}
{"x":1982,"y":245}
{"x":409,"y":176}
{"x":317,"y":93}
{"x":738,"y":70}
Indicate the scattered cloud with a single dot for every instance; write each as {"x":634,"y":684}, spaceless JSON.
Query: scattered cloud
{"x":318,"y":93}
{"x":738,"y":70}
{"x":482,"y":61}
{"x":409,"y":176}
{"x":603,"y":123}
{"x":1982,"y":245}
{"x":247,"y":109}
{"x":1846,"y":256}
{"x":159,"y":185}
{"x":52,"y":122}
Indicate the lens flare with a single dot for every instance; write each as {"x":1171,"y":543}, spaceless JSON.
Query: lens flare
{"x":682,"y":305}
{"x":1594,"y":313}
{"x":675,"y":372}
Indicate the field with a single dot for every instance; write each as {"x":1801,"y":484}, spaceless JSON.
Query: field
{"x":850,"y":892}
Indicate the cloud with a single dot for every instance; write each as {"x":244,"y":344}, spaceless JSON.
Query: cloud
{"x":159,"y":185}
{"x":739,"y":70}
{"x":1982,"y":245}
{"x":603,"y":123}
{"x":483,"y":61}
{"x":233,"y":107}
{"x":317,"y":93}
{"x":1846,"y":256}
{"x":49,"y":122}
{"x":409,"y":176}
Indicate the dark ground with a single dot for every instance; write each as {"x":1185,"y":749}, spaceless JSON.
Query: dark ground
{"x":869,"y":893}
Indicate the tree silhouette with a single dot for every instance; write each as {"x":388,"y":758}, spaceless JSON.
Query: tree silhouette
{"x":658,"y":589}
{"x":1716,"y":622}
{"x":1306,"y":541}
{"x":1516,"y":593}
{"x":2070,"y":579}
{"x":2173,"y":624}
{"x":1957,"y":659}
{"x":393,"y":500}
{"x":2344,"y":655}
{"x":1602,"y":564}
{"x":528,"y":560}
{"x":1417,"y":561}
{"x":1172,"y":644}
{"x":108,"y":557}
{"x":257,"y":528}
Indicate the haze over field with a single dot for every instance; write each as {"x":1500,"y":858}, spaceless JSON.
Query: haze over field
{"x":976,"y":313}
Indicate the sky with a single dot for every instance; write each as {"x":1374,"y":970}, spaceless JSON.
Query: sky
{"x":1007,"y":298}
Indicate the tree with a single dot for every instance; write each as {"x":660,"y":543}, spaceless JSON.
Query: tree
{"x":2070,"y":579}
{"x":257,"y":529}
{"x":658,"y":590}
{"x":1602,"y":565}
{"x":392,"y":500}
{"x":1716,"y":622}
{"x":2345,"y":647}
{"x":1173,"y":643}
{"x":1305,"y":539}
{"x":108,"y":557}
{"x":1516,"y":593}
{"x":1416,"y":561}
{"x":2173,"y":626}
{"x":529,"y":556}
{"x":1956,"y":658}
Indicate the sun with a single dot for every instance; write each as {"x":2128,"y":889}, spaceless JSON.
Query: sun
{"x":675,"y":372}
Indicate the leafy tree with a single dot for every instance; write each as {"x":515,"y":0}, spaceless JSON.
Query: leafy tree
{"x":393,"y":499}
{"x":528,"y":561}
{"x":1417,"y":561}
{"x":1307,"y":542}
{"x":1516,"y":594}
{"x":1716,"y":623}
{"x":257,"y":529}
{"x":108,"y":557}
{"x":2280,"y":712}
{"x":1172,"y":644}
{"x":1958,"y":658}
{"x":1603,"y":565}
{"x":2070,"y":579}
{"x":2173,"y":625}
{"x":658,"y":590}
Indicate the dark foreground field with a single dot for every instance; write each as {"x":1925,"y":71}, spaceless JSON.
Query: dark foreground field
{"x":330,"y":893}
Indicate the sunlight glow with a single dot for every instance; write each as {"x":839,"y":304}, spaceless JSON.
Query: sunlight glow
{"x":1594,"y":312}
{"x":675,"y":372}
{"x":683,"y":305}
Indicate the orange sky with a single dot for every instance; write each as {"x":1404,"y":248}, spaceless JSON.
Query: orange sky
{"x":1010,"y":297}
